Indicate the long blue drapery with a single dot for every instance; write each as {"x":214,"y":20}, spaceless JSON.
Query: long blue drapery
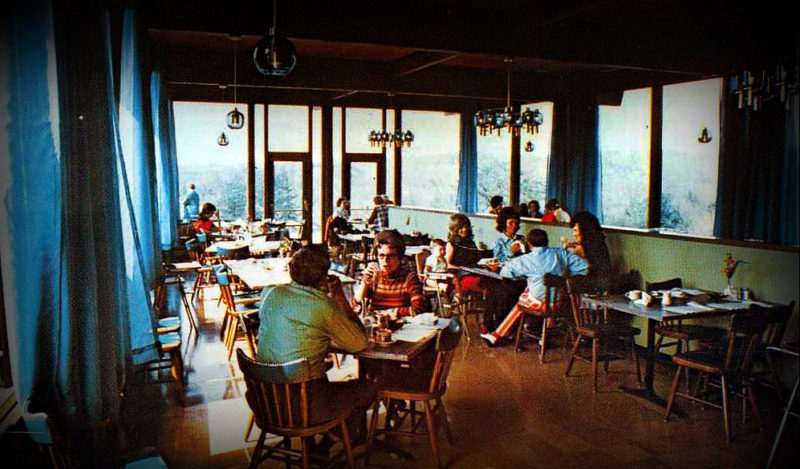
{"x":757,"y":195}
{"x":71,"y":328}
{"x":573,"y":175}
{"x":166,"y":163}
{"x":30,"y":191}
{"x":135,"y":133}
{"x":468,"y":166}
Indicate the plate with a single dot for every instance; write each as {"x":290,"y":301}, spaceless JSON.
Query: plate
{"x":488,"y":260}
{"x":384,"y":344}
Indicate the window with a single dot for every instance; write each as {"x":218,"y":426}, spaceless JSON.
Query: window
{"x":258,"y":144}
{"x":217,"y":171}
{"x":689,"y":178}
{"x":360,"y":122}
{"x":363,"y":188}
{"x":533,"y":164}
{"x":494,"y":157}
{"x":624,"y":140}
{"x":288,"y":128}
{"x":430,"y":164}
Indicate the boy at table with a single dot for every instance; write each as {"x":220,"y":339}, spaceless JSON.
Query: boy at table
{"x":298,"y":323}
{"x":539,"y":261}
{"x":389,"y":284}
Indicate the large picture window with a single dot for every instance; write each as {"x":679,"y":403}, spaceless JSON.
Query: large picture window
{"x":430,"y":164}
{"x":689,"y":177}
{"x":624,"y":140}
{"x":217,"y":171}
{"x":494,"y":158}
{"x":535,"y":157}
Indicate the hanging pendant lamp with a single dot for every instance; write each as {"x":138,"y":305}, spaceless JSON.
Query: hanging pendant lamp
{"x":235,"y":119}
{"x":222,"y":140}
{"x":274,"y":55}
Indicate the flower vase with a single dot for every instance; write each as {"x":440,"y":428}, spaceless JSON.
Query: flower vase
{"x":728,"y":291}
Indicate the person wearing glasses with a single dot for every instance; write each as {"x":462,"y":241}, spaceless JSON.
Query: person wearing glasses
{"x":390,"y":286}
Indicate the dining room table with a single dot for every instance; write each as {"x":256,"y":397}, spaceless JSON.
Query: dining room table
{"x":696,"y":303}
{"x":257,"y":246}
{"x":264,"y":272}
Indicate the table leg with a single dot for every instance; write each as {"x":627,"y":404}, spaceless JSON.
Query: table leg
{"x":648,"y":392}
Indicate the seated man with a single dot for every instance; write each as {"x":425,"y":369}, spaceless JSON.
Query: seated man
{"x":539,"y":261}
{"x":298,"y":323}
{"x":389,"y":284}
{"x":379,"y":217}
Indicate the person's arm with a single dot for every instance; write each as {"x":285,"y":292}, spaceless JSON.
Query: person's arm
{"x":512,"y":269}
{"x":364,"y":289}
{"x":372,"y":215}
{"x":336,"y":292}
{"x":345,"y":330}
{"x":498,"y":251}
{"x":576,"y":264}
{"x":449,"y":252}
{"x":417,"y":302}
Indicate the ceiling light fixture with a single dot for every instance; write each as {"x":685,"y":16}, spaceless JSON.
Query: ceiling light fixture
{"x":491,"y":120}
{"x":235,"y":118}
{"x":274,"y":56}
{"x":222,"y":140}
{"x":752,"y":89}
{"x":704,"y":137}
{"x":383,"y":138}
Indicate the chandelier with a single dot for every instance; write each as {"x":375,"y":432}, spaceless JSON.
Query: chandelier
{"x":382,"y":138}
{"x":235,"y":119}
{"x":495,"y":120}
{"x":753,"y":89}
{"x":274,"y":56}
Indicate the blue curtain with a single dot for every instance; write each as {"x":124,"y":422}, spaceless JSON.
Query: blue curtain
{"x":166,"y":163}
{"x":30,"y":190}
{"x":136,"y":137}
{"x":574,"y":172}
{"x":135,"y":172}
{"x":468,"y":166}
{"x":757,"y":195}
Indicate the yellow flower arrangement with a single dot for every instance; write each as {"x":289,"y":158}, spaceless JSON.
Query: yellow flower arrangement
{"x":729,"y":265}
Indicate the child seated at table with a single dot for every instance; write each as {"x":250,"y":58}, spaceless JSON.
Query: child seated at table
{"x":436,"y":263}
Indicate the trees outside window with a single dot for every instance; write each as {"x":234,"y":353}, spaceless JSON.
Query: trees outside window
{"x":430,"y":164}
{"x":689,"y":177}
{"x":624,"y":140}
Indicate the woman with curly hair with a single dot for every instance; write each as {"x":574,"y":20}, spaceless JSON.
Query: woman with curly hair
{"x":509,"y":244}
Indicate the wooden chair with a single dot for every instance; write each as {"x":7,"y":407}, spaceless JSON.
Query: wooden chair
{"x":432,"y":293}
{"x":764,"y":369}
{"x":281,"y":407}
{"x":236,"y":324}
{"x":552,"y":310}
{"x":731,"y":362}
{"x":675,"y":329}
{"x":359,"y":260}
{"x":591,"y":325}
{"x":427,"y":388}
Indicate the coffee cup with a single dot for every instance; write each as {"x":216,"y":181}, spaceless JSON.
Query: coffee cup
{"x":666,"y":299}
{"x":634,"y":295}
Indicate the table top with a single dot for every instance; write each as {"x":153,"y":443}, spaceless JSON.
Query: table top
{"x":657,"y":312}
{"x":483,"y":271}
{"x":260,"y":273}
{"x":419,"y":335}
{"x":257,"y":245}
{"x":355,"y":237}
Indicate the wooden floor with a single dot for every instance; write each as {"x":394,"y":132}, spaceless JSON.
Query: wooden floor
{"x":506,"y":411}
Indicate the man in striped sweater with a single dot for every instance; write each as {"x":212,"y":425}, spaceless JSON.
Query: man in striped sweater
{"x":390,"y":286}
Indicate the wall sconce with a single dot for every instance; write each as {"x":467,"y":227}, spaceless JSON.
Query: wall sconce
{"x":704,"y":137}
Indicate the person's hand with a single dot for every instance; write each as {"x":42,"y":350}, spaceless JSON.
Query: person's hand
{"x":517,"y":247}
{"x":369,"y":274}
{"x":493,"y":266}
{"x":334,"y":284}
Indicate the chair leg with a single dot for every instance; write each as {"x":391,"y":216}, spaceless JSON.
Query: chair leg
{"x":445,"y":421}
{"x":518,"y":335}
{"x":543,"y":340}
{"x":373,"y":424}
{"x":726,"y":416}
{"x":255,"y":458}
{"x":752,"y":398}
{"x":188,"y":308}
{"x":432,"y":434}
{"x":594,"y":364}
{"x":672,"y":391}
{"x":348,"y":450}
{"x":575,"y":347}
{"x":306,"y":442}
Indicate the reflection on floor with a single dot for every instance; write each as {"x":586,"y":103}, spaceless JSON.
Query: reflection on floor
{"x":506,"y":411}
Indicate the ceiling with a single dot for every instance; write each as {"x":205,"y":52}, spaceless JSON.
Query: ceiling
{"x":445,"y":53}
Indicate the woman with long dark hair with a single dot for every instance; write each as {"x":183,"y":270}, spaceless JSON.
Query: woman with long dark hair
{"x":590,"y":243}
